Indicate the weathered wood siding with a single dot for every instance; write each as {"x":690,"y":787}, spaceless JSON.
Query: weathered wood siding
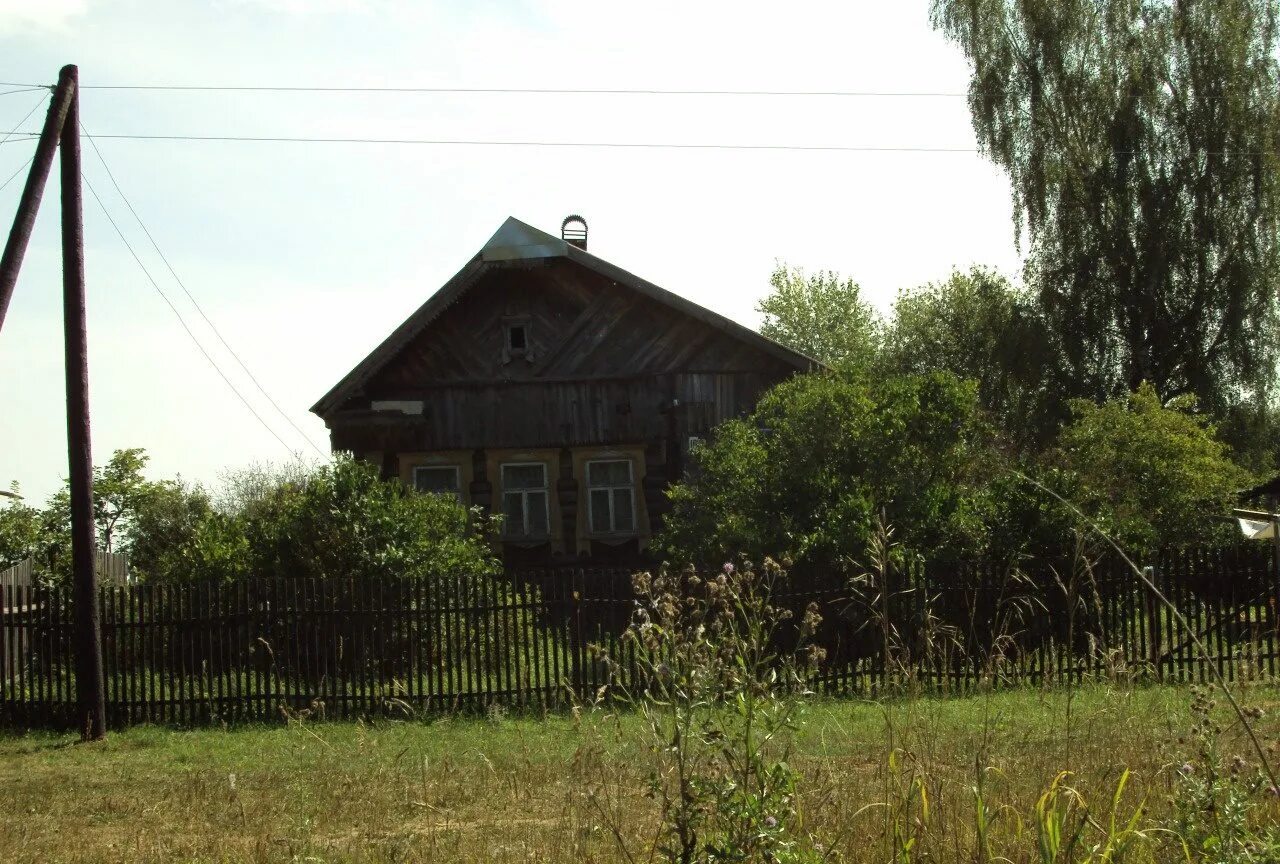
{"x":606,"y":367}
{"x":560,"y":414}
{"x":581,"y":326}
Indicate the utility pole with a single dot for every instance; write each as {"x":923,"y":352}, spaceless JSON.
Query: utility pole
{"x":62,"y":132}
{"x":89,"y":680}
{"x":29,"y":203}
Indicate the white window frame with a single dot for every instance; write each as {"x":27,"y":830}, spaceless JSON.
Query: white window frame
{"x":629,"y":486}
{"x":524,"y":499}
{"x":457,"y":476}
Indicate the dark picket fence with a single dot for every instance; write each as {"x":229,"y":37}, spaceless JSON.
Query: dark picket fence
{"x":264,"y":649}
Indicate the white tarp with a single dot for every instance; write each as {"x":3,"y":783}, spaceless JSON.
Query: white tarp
{"x":1254,"y":529}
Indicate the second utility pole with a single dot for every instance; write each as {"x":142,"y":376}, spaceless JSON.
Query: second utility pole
{"x":92,"y":713}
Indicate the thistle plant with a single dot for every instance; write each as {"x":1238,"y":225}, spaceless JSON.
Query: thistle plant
{"x":1222,"y":801}
{"x":724,"y":674}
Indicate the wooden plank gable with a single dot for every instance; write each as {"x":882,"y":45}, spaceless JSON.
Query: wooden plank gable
{"x":580,"y":325}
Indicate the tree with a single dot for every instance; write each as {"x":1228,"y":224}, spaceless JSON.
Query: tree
{"x":178,"y":535}
{"x":1141,"y":139}
{"x":1151,"y":475}
{"x":822,"y":316}
{"x":119,"y":491}
{"x":978,"y":326}
{"x":823,"y":456}
{"x":21,"y":530}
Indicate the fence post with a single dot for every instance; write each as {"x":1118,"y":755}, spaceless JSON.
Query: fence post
{"x":577,"y":583}
{"x":1151,"y":605}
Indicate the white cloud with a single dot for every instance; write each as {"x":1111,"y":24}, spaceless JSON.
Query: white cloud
{"x":22,"y":15}
{"x":302,"y":7}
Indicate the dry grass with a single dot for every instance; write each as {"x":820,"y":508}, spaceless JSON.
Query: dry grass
{"x":539,"y":790}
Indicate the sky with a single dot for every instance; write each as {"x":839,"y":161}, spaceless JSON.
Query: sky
{"x":306,"y":255}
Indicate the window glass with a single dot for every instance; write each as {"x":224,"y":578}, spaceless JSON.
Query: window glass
{"x":536,"y":507}
{"x":609,"y":473}
{"x":513,"y":510}
{"x":524,"y":477}
{"x":439,"y":480}
{"x":611,"y":496}
{"x":600,"y":510}
{"x":436,"y":479}
{"x":524,"y":500}
{"x":624,"y":518}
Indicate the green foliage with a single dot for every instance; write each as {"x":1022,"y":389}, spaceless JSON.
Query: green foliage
{"x":119,"y":492}
{"x":21,"y":531}
{"x":821,"y":315}
{"x":339,"y":520}
{"x":807,"y":473}
{"x":1150,"y":475}
{"x":720,"y":708}
{"x":978,"y":326}
{"x":1140,"y":138}
{"x":1064,"y":825}
{"x":1220,"y":803}
{"x":1252,"y":429}
{"x":178,"y":535}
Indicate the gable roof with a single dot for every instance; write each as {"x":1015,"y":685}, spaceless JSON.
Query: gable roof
{"x":518,"y":241}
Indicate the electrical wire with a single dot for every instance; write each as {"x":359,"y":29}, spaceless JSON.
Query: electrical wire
{"x":21,"y":168}
{"x":622,"y":145}
{"x":194,"y":302}
{"x":20,"y":90}
{"x":14,"y":130}
{"x":658,"y":145}
{"x":181,"y":321}
{"x":516,"y":91}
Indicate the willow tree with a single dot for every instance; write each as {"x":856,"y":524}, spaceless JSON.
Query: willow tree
{"x":1140,"y":138}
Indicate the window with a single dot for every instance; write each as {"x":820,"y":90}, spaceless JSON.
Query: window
{"x":524,"y":499}
{"x":517,"y":338}
{"x":611,"y":497}
{"x":439,"y":480}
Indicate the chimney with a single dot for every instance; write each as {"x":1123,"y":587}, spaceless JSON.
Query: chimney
{"x":574,"y":230}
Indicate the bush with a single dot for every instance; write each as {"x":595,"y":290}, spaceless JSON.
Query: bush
{"x":808,"y":473}
{"x":340,"y":520}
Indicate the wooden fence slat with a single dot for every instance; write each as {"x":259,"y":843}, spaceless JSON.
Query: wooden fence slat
{"x":196,"y":653}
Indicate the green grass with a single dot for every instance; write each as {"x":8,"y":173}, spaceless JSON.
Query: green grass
{"x":529,"y":789}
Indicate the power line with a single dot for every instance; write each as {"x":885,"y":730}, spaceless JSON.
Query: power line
{"x":620,"y":145}
{"x":178,"y":315}
{"x":21,"y":168}
{"x":190,"y":297}
{"x":20,"y":90}
{"x":657,"y":145}
{"x":515,"y":91}
{"x":14,"y":130}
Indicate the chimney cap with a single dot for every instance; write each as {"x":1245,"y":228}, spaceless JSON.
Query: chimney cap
{"x":574,"y":230}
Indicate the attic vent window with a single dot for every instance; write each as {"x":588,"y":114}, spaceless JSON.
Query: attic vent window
{"x":517,"y":338}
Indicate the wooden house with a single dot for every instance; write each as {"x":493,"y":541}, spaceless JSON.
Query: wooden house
{"x":545,"y":383}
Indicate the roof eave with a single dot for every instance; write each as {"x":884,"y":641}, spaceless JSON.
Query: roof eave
{"x":409,"y":328}
{"x":799,"y":360}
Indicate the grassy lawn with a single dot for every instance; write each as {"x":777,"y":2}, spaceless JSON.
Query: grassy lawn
{"x":527,"y":789}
